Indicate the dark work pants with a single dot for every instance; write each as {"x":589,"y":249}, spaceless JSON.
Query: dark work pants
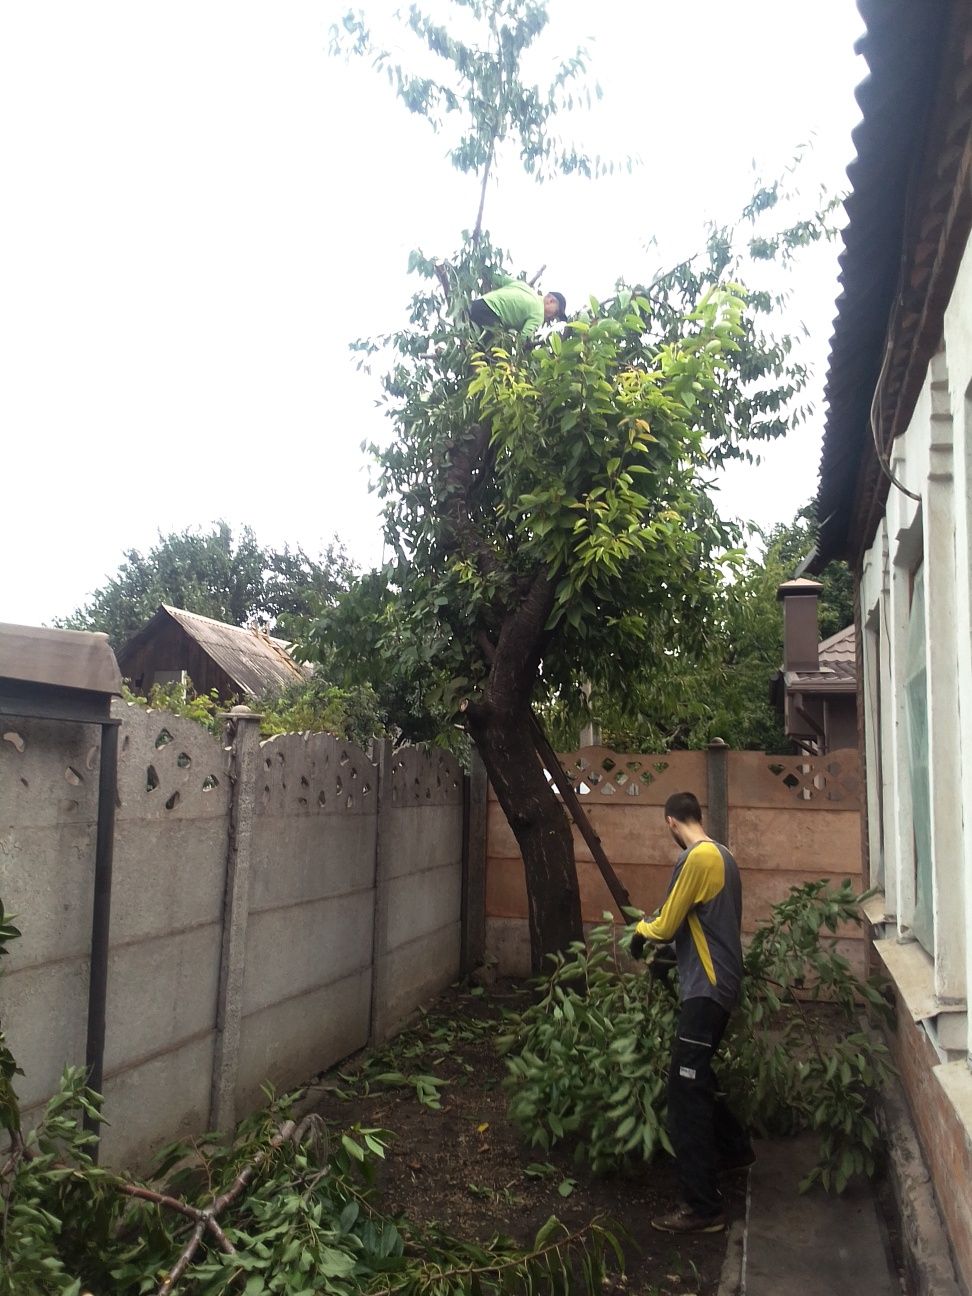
{"x":482,"y":314}
{"x":701,"y":1127}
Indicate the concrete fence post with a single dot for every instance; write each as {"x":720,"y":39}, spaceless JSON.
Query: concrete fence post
{"x":473,"y":929}
{"x":383,"y":855}
{"x":243,"y":745}
{"x":717,"y":777}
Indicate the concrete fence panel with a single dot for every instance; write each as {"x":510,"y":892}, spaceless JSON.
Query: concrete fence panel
{"x":787,"y":819}
{"x":48,"y":811}
{"x":166,"y":931}
{"x":622,"y":795}
{"x":259,"y":931}
{"x":418,"y":917}
{"x":307,"y":986}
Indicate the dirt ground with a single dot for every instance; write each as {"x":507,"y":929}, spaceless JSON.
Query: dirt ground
{"x":465,"y":1167}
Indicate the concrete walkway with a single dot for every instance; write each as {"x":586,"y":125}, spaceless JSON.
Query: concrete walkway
{"x":805,"y":1244}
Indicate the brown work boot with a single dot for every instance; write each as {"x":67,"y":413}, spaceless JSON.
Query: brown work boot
{"x":685,"y":1220}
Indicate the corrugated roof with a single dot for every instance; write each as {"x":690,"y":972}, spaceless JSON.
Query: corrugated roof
{"x":256,"y":662}
{"x":73,"y":659}
{"x":903,"y":47}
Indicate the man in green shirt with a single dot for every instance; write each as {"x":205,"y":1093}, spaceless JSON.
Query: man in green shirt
{"x":514,"y":305}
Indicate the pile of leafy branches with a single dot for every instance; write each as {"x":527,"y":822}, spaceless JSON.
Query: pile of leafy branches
{"x":283,"y":1207}
{"x":588,"y":1060}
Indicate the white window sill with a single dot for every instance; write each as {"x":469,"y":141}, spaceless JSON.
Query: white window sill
{"x":913,"y":972}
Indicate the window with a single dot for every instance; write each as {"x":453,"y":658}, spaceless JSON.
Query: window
{"x":916,"y":701}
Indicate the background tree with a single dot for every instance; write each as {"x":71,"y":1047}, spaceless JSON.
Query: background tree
{"x":549,"y":507}
{"x":725,"y":693}
{"x":235,"y":580}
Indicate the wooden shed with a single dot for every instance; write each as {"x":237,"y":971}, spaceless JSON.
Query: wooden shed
{"x":235,"y":661}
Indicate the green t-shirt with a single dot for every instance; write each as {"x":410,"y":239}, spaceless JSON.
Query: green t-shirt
{"x":517,"y":305}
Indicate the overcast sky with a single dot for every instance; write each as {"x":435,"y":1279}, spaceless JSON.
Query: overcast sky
{"x":202,"y":208}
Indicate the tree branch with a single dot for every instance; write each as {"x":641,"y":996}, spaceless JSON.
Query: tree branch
{"x":477,"y":231}
{"x":185,"y":1259}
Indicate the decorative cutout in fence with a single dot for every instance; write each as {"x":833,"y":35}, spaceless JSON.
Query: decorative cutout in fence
{"x":597,"y":772}
{"x":168,"y":766}
{"x":757,"y":779}
{"x":313,"y":773}
{"x":424,"y":777}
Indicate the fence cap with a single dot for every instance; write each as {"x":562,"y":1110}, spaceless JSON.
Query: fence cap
{"x":66,"y":659}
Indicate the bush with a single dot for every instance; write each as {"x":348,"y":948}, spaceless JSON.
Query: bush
{"x":588,"y":1061}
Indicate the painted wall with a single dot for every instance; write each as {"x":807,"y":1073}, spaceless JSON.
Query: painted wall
{"x":931,"y":975}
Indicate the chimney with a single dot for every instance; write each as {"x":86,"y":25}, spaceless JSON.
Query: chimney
{"x":800,"y":633}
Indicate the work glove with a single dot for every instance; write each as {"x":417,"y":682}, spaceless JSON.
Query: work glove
{"x":664,"y":963}
{"x":637,"y":946}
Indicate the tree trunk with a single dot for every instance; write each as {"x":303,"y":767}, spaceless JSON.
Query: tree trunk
{"x":535,"y":815}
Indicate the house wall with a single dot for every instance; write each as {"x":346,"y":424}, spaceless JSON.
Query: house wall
{"x":840,"y":722}
{"x":791,"y":820}
{"x":933,"y":459}
{"x":262,"y":927}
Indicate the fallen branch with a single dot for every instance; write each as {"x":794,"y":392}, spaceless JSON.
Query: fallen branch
{"x":206,"y":1218}
{"x":182,"y":1264}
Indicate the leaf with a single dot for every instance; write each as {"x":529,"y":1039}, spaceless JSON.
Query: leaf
{"x":353,"y":1149}
{"x":334,"y":1264}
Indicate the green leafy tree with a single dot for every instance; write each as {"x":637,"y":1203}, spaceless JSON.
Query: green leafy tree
{"x":727,"y":693}
{"x":213,"y":573}
{"x":548,"y":506}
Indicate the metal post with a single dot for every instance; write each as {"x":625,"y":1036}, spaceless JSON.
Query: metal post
{"x":101,"y":916}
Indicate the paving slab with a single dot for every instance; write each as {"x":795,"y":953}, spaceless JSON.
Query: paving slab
{"x":810,"y":1244}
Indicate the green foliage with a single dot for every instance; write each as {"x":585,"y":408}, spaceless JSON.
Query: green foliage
{"x":586,"y":461}
{"x":588,"y":1061}
{"x":212,"y":573}
{"x":293,"y":1205}
{"x":181,"y":699}
{"x":726,"y":692}
{"x":310,"y":706}
{"x":406,"y":1061}
{"x":480,"y":87}
{"x":306,"y":1223}
{"x":353,"y":713}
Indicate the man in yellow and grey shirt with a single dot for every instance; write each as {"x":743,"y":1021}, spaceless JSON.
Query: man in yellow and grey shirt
{"x":702,"y":914}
